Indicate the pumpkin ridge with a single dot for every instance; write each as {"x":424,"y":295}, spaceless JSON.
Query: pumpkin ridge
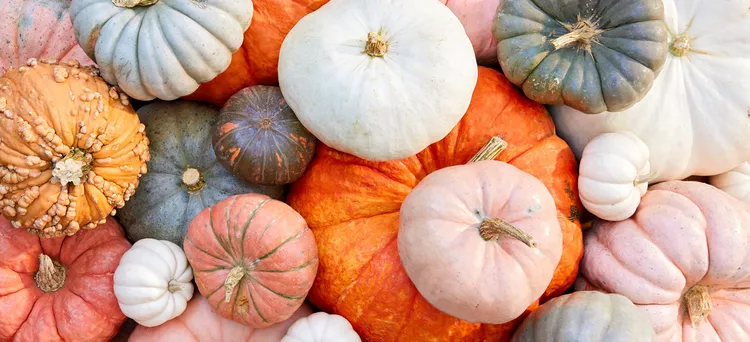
{"x":91,"y":306}
{"x":255,"y":305}
{"x":252,"y":279}
{"x":204,"y":252}
{"x":280,"y":150}
{"x":216,"y":236}
{"x":345,"y":290}
{"x":247,"y":225}
{"x":615,"y":66}
{"x":275,"y":249}
{"x":230,"y":227}
{"x":54,"y":316}
{"x":169,"y":46}
{"x":295,"y":268}
{"x":204,"y":27}
{"x":234,"y":168}
{"x":412,"y":303}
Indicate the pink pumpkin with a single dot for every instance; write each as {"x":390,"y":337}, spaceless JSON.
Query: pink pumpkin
{"x":683,"y":258}
{"x":478,"y":16}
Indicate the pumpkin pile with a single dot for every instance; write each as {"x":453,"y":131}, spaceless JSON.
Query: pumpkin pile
{"x":374,"y":170}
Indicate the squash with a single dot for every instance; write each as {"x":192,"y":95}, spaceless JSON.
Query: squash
{"x":467,"y":244}
{"x":60,"y":289}
{"x":71,"y":148}
{"x":613,"y":175}
{"x":321,"y":327}
{"x":254,"y":258}
{"x":259,"y":139}
{"x":160,"y":48}
{"x":695,"y":118}
{"x":186,"y":177}
{"x":586,"y":316}
{"x":478,"y":16}
{"x":371,"y":107}
{"x":735,"y":182}
{"x":593,"y":56}
{"x":352,"y":206}
{"x":34,"y":29}
{"x":153,"y":282}
{"x":683,"y":258}
{"x":199,"y":323}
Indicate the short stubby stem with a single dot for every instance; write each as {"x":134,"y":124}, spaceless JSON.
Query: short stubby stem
{"x":174,"y":286}
{"x":193,"y":179}
{"x":51,"y":274}
{"x":680,"y":46}
{"x":491,"y":229}
{"x":376,"y":45}
{"x":491,"y":150}
{"x":698,"y":303}
{"x":234,"y":277}
{"x":581,"y":33}
{"x":133,"y":3}
{"x":73,"y":167}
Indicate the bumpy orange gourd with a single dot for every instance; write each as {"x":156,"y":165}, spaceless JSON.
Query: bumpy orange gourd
{"x":71,"y":148}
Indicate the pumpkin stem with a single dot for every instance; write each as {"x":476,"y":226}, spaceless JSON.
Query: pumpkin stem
{"x":193,"y":179}
{"x":645,"y":178}
{"x":582,"y":33}
{"x":133,"y":3}
{"x":72,"y":168}
{"x":51,"y":274}
{"x":376,"y":45}
{"x":491,"y":229}
{"x":234,"y":277}
{"x":680,"y":46}
{"x":698,"y":303}
{"x":174,"y":286}
{"x":494,"y":147}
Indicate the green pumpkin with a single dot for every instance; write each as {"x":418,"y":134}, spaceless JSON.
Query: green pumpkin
{"x":184,"y":176}
{"x":591,"y":55}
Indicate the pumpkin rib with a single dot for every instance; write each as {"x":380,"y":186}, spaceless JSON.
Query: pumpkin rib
{"x":255,"y":304}
{"x":249,"y":221}
{"x":275,"y":249}
{"x":345,"y":290}
{"x":295,"y":268}
{"x":187,"y":238}
{"x":216,"y":236}
{"x":252,"y":279}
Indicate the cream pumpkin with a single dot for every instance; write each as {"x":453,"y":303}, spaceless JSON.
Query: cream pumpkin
{"x":735,"y":182}
{"x":321,"y":327}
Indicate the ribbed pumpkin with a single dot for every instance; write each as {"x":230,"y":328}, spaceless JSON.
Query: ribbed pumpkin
{"x":352,"y":207}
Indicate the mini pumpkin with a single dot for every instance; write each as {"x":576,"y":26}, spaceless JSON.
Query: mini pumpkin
{"x":735,"y":182}
{"x":321,"y":327}
{"x":71,"y":148}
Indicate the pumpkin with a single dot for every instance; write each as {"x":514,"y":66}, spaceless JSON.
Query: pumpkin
{"x":254,"y":258}
{"x":370,"y":107}
{"x":71,"y":148}
{"x":477,"y":16}
{"x":586,"y":316}
{"x":593,"y":56}
{"x":683,"y":258}
{"x":59,"y":289}
{"x":467,"y":244}
{"x":34,"y":29}
{"x":321,"y":327}
{"x":186,"y":177}
{"x":352,"y":206}
{"x":153,"y":282}
{"x":200,"y":323}
{"x":613,"y":175}
{"x":259,"y":139}
{"x":694,"y":120}
{"x":735,"y":182}
{"x":160,"y":48}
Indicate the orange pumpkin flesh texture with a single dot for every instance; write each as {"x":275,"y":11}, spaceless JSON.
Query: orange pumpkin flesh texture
{"x":352,"y":207}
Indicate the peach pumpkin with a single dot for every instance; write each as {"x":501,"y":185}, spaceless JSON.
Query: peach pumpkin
{"x":478,"y":16}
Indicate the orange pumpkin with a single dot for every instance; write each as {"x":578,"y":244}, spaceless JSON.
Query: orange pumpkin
{"x":352,"y":207}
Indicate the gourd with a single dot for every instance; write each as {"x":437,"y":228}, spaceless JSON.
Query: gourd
{"x":160,"y":48}
{"x":370,"y":107}
{"x":735,"y":182}
{"x":683,"y":258}
{"x":613,"y":175}
{"x":153,"y":282}
{"x":72,"y":149}
{"x":467,"y":245}
{"x":352,"y":206}
{"x":60,"y":289}
{"x":586,"y":316}
{"x":593,"y":56}
{"x":186,"y":177}
{"x":254,"y":259}
{"x":694,"y":120}
{"x":478,"y":16}
{"x":259,"y":139}
{"x":321,"y":327}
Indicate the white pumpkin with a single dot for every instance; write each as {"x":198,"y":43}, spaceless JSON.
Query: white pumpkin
{"x":695,"y":120}
{"x":613,"y":175}
{"x":735,"y":182}
{"x":153,"y":282}
{"x":379,"y":79}
{"x":321,"y":327}
{"x":160,"y":48}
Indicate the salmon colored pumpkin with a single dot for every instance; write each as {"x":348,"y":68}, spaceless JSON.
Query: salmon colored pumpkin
{"x":352,"y":207}
{"x":60,"y":289}
{"x":477,"y":16}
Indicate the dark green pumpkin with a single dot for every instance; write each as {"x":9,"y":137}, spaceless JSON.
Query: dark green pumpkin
{"x":591,"y":55}
{"x":184,"y":176}
{"x":259,"y":138}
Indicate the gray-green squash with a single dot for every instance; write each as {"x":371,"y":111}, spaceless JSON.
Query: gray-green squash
{"x":591,"y":55}
{"x":184,"y":176}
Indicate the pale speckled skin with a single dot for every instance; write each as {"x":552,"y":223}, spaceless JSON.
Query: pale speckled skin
{"x":477,"y":16}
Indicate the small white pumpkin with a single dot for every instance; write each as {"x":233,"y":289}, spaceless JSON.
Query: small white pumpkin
{"x":735,"y":182}
{"x":153,"y":282}
{"x":321,"y":327}
{"x":160,"y":48}
{"x":379,"y":79}
{"x":613,"y":175}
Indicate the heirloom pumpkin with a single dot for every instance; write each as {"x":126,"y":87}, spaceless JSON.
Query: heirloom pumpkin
{"x":683,"y":258}
{"x":160,"y":48}
{"x":735,"y":182}
{"x":477,"y":16}
{"x":186,"y":177}
{"x":370,"y":107}
{"x":259,"y":139}
{"x":71,"y":148}
{"x":59,"y":289}
{"x":321,"y":327}
{"x":352,"y":207}
{"x":254,"y":258}
{"x":695,"y":118}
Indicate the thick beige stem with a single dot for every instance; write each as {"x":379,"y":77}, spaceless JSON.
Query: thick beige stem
{"x":581,"y":33}
{"x":174,"y":286}
{"x":494,"y":147}
{"x":51,"y":274}
{"x":698,"y":303}
{"x":193,"y":179}
{"x":133,"y":3}
{"x":376,"y":45}
{"x":491,"y":229}
{"x":234,"y":277}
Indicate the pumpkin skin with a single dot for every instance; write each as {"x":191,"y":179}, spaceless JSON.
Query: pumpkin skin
{"x":89,"y":258}
{"x":321,"y":327}
{"x":685,"y":247}
{"x":254,"y":259}
{"x":352,"y":207}
{"x":259,"y":139}
{"x":180,"y":134}
{"x":477,"y":16}
{"x":735,"y":182}
{"x":72,"y":148}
